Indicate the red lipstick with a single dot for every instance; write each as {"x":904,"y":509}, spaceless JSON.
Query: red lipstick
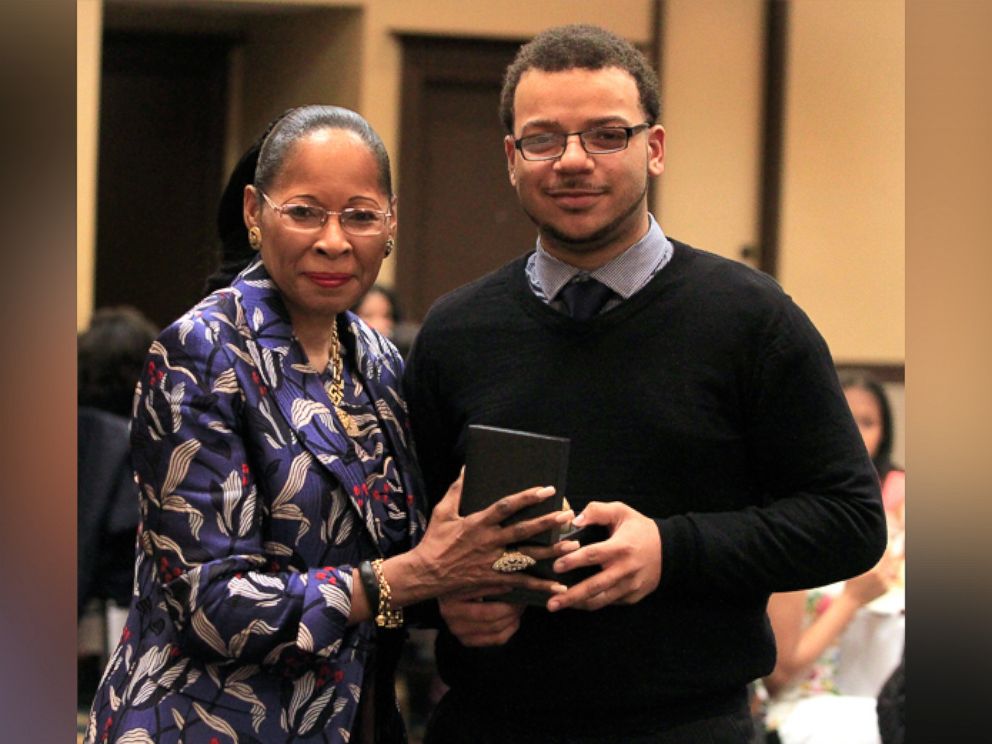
{"x":327,"y":281}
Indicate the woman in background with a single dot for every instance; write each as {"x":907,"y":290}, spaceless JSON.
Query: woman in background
{"x":829,"y":668}
{"x":110,"y":355}
{"x":873,"y":415}
{"x":378,"y":308}
{"x":381,"y":310}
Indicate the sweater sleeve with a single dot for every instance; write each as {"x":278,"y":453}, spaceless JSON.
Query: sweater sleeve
{"x":821,"y":519}
{"x":432,"y":426}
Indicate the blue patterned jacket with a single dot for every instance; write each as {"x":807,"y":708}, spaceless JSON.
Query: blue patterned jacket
{"x":255,"y":507}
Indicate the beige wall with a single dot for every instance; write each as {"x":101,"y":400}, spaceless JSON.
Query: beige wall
{"x":88,"y":31}
{"x":842,"y":231}
{"x":841,"y":253}
{"x":843,"y":213}
{"x":312,"y":73}
{"x":711,"y":108}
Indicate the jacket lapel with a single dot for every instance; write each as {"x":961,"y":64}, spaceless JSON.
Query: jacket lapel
{"x":380,"y":369}
{"x":295,"y":389}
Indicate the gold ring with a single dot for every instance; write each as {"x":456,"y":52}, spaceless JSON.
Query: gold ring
{"x":512,"y":561}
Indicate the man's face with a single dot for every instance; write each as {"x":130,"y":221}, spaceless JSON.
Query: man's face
{"x":588,"y":208}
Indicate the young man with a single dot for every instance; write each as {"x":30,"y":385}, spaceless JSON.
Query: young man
{"x":709,"y":434}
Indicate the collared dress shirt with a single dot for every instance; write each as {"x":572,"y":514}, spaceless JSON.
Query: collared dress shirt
{"x":625,"y":274}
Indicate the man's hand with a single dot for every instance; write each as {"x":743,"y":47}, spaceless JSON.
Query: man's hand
{"x":477,"y":623}
{"x":630,"y":559}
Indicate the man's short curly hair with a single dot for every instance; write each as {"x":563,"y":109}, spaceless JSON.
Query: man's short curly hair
{"x":585,"y":47}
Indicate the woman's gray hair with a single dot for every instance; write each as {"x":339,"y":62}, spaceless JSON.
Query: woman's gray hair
{"x":302,"y":121}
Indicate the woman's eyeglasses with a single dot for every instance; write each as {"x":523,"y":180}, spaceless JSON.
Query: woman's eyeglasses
{"x":358,"y":221}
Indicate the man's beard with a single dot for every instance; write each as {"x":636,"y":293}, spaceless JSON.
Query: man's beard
{"x":594,"y":240}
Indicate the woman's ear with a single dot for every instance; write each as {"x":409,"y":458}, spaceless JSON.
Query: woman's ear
{"x":392,"y":217}
{"x":252,"y":204}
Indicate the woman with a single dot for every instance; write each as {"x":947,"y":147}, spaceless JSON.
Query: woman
{"x":281,"y":533}
{"x":871,"y":410}
{"x":110,"y":357}
{"x":829,"y":669}
{"x":378,"y":309}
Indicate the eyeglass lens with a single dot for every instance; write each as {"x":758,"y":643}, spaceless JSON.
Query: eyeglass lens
{"x":354,"y":221}
{"x":596,"y":141}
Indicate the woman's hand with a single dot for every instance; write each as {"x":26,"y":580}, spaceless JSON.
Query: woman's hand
{"x":457,"y":553}
{"x":800,"y":645}
{"x":873,"y":584}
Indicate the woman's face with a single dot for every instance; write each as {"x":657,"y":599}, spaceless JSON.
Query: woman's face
{"x":377,"y":311}
{"x":867,"y":415}
{"x":323,"y":271}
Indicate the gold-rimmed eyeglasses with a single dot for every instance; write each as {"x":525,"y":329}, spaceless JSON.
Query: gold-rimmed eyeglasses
{"x":357,"y":221}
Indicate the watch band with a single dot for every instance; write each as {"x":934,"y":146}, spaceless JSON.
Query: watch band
{"x":371,"y":584}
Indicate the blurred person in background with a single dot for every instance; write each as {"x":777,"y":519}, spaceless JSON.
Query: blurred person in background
{"x":892,"y":706}
{"x":381,"y":310}
{"x":378,"y":308}
{"x":873,"y":414}
{"x":110,"y":355}
{"x":838,"y":644}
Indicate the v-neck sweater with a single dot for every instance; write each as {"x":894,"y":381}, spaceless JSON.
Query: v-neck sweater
{"x":707,"y":402}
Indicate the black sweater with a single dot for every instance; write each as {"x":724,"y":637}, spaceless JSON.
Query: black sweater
{"x":708,"y":402}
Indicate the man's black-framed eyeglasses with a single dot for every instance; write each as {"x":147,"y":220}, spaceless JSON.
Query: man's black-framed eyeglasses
{"x":595,"y":141}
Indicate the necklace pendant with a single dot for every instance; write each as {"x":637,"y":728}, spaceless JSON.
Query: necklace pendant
{"x":346,"y":421}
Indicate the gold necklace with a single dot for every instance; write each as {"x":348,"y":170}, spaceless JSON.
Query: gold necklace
{"x":336,"y":388}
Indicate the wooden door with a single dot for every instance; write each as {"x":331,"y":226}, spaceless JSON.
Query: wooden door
{"x":162,"y":109}
{"x":459,"y":217}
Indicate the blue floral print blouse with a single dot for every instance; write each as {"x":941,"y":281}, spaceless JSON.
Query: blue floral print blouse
{"x":255,"y":508}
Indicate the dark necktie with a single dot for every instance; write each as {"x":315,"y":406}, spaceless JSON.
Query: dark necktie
{"x":584,"y":298}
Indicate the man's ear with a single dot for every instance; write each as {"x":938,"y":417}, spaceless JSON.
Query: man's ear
{"x":511,"y":158}
{"x":252,"y":205}
{"x":656,"y":150}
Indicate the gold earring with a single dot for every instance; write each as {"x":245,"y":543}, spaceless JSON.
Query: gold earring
{"x":255,"y":237}
{"x":390,"y":244}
